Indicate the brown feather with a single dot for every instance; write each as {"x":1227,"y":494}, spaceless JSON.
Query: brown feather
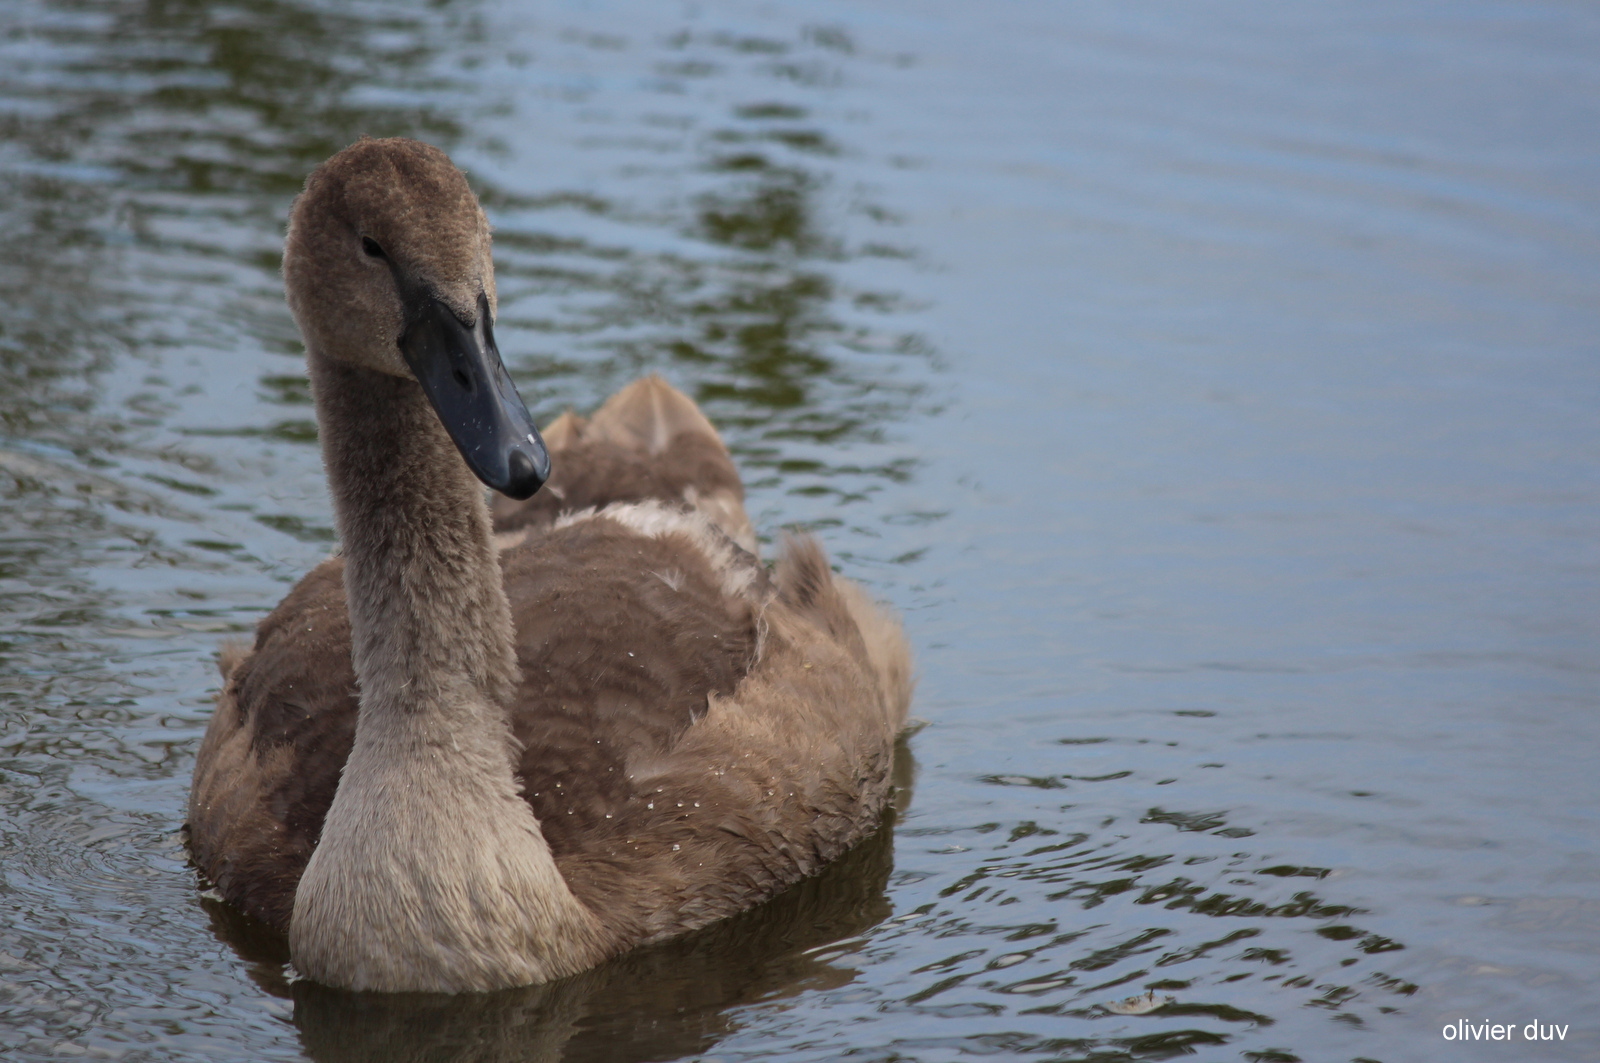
{"x":649,"y":442}
{"x":677,"y":778}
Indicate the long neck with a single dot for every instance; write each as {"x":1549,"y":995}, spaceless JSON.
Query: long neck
{"x":429,"y":620}
{"x":431,"y":873}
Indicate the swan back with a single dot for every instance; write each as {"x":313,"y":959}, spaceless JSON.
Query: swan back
{"x":648,"y":443}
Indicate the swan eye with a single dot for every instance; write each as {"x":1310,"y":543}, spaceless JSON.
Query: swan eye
{"x":370,"y":246}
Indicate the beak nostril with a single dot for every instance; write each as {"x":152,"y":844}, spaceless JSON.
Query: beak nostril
{"x":461,"y":378}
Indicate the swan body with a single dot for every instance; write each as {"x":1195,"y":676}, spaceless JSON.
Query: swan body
{"x":454,"y":760}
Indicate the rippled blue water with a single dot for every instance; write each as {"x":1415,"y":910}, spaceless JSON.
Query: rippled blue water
{"x":1214,"y":387}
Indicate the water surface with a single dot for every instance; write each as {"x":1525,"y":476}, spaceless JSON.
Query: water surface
{"x":1212,"y":387}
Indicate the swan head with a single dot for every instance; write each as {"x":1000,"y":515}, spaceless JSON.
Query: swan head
{"x":388,"y":267}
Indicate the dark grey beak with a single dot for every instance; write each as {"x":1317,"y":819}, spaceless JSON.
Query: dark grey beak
{"x":460,"y":370}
